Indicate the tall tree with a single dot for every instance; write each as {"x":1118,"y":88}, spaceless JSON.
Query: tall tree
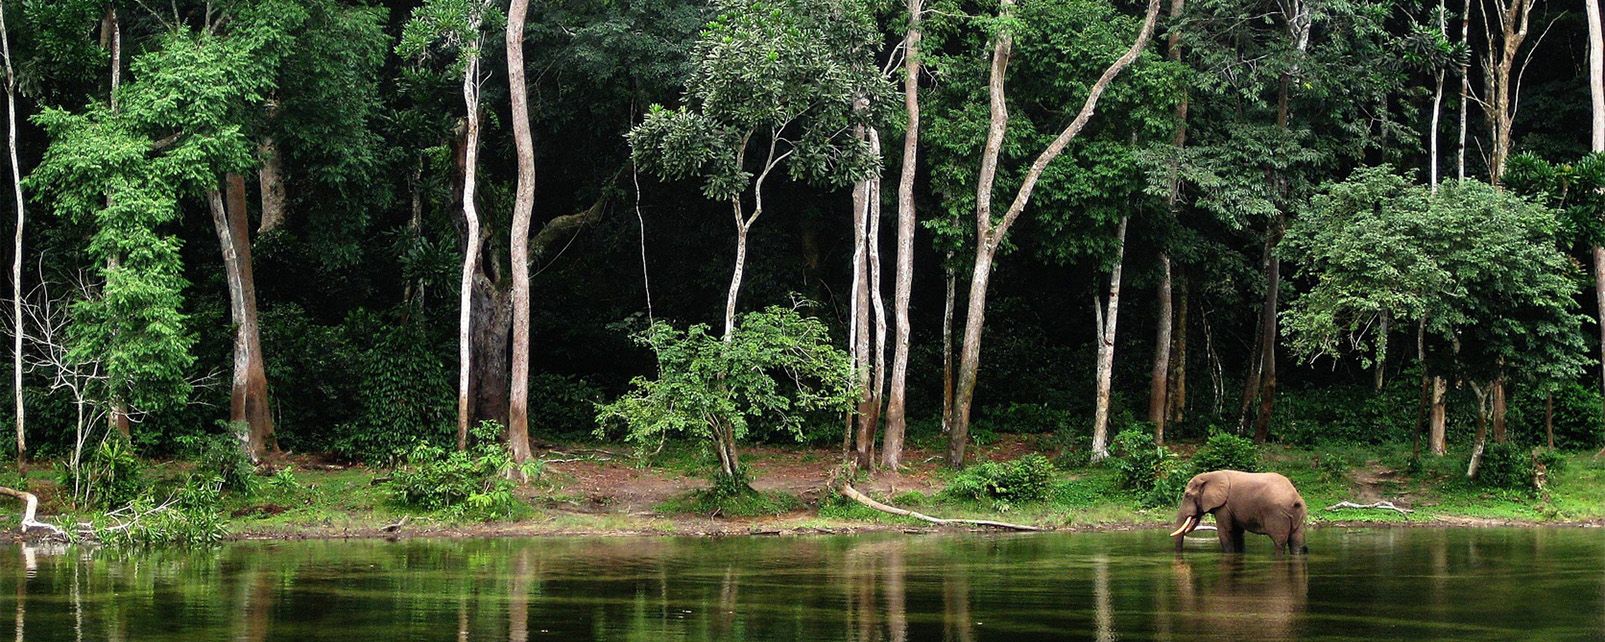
{"x":787,"y":83}
{"x":896,"y":412}
{"x":523,"y":208}
{"x":1596,"y":143}
{"x":1159,"y":377}
{"x":457,"y":25}
{"x":16,"y":246}
{"x":991,"y":230}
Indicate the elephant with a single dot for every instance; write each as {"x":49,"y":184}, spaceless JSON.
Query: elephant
{"x":1265,"y":503}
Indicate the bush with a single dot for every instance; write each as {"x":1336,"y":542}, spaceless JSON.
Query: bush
{"x":109,"y":476}
{"x":1225,"y":451}
{"x":1027,"y":479}
{"x":1506,"y":465}
{"x":1579,"y":417}
{"x":471,"y":484}
{"x":1153,"y":471}
{"x":566,"y":405}
{"x":1349,"y":413}
{"x":223,"y":456}
{"x":1026,"y":418}
{"x":1335,"y":466}
{"x":192,"y":516}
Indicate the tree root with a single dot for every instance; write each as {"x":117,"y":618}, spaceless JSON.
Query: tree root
{"x":848,"y":490}
{"x":31,"y":506}
{"x":1376,"y":505}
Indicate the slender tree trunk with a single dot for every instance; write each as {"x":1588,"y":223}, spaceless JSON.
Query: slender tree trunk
{"x":1465,"y":91}
{"x":523,"y":208}
{"x":1481,"y":440}
{"x":1267,"y":392}
{"x":1432,"y":134}
{"x":111,"y":34}
{"x":877,"y":302}
{"x":270,"y":179}
{"x":248,"y":398}
{"x":1106,"y":352}
{"x":465,"y":328}
{"x":1549,"y":419}
{"x":947,"y":345}
{"x":1438,"y":435}
{"x":1499,"y":410}
{"x":1596,"y":93}
{"x":1159,"y":376}
{"x":1178,"y":362}
{"x":16,"y":246}
{"x":1379,"y":372}
{"x":896,"y":420}
{"x":990,"y":232}
{"x":863,"y":440}
{"x":735,"y":276}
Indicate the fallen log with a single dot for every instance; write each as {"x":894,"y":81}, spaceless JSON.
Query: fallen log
{"x":31,"y":507}
{"x":1375,"y":505}
{"x":848,"y":490}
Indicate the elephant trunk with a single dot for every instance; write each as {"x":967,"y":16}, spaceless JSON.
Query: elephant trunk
{"x":1185,"y":525}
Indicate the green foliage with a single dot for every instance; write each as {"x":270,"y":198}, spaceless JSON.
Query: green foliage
{"x":563,"y":406}
{"x":192,"y":516}
{"x":777,"y":367}
{"x":1027,"y":479}
{"x":1579,"y":416}
{"x":1506,"y":466}
{"x":1153,"y":471}
{"x":1334,"y":466}
{"x":110,"y":475}
{"x":1348,"y":413}
{"x":1225,"y":451}
{"x":223,"y":456}
{"x":465,"y":484}
{"x":403,"y":394}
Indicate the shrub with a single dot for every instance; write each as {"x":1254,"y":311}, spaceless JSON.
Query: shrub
{"x":192,"y":516}
{"x":1225,"y":451}
{"x":109,"y":476}
{"x":1579,"y":417}
{"x":566,"y":405}
{"x":223,"y":456}
{"x":1334,"y":466}
{"x":1506,"y":465}
{"x":1153,"y":471}
{"x":1027,"y":479}
{"x":471,"y":484}
{"x":1026,"y":418}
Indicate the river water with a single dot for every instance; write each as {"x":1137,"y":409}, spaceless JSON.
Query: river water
{"x":1357,"y":584}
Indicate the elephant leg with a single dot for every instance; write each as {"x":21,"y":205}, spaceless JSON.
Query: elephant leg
{"x":1295,"y":543}
{"x":1237,"y":540}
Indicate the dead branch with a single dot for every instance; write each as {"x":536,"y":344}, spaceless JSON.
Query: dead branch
{"x":1375,"y":505}
{"x":848,"y":490}
{"x":31,"y":506}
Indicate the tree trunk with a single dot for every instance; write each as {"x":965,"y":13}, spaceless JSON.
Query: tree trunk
{"x":877,"y":302}
{"x":16,"y":247}
{"x":1263,"y":376}
{"x":523,"y":208}
{"x":248,"y":397}
{"x":1159,"y":376}
{"x":1379,"y":371}
{"x":1596,"y":93}
{"x":1177,"y":396}
{"x":465,"y":346}
{"x":111,"y":35}
{"x":1499,"y":410}
{"x":1481,"y":440}
{"x":490,"y":337}
{"x":1106,"y":351}
{"x":947,"y":345}
{"x":990,"y":232}
{"x":1549,"y":419}
{"x":863,"y":440}
{"x":896,"y":420}
{"x":1438,"y":433}
{"x":270,"y":178}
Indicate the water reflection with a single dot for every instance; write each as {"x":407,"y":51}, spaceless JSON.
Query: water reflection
{"x":1422,"y":584}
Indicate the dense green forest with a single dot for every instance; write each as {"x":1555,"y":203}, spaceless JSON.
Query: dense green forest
{"x":380,"y":232}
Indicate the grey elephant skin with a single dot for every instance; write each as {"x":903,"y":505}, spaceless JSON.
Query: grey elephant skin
{"x":1264,"y":503}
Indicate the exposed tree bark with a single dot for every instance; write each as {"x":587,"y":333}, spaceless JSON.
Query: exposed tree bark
{"x":470,"y":165}
{"x":1106,"y":351}
{"x":1465,"y":91}
{"x":1177,"y":396}
{"x":1379,"y":371}
{"x":16,"y":247}
{"x":1481,"y":440}
{"x":947,"y":345}
{"x":248,"y":390}
{"x":111,"y":35}
{"x":1596,"y":138}
{"x":490,"y":338}
{"x":863,"y":428}
{"x":1438,"y":434}
{"x":861,"y":498}
{"x":896,"y":413}
{"x":1159,"y":376}
{"x":1549,"y":419}
{"x":1499,"y":410}
{"x":523,"y":209}
{"x":270,"y":179}
{"x":1159,"y":379}
{"x":990,"y":232}
{"x":877,"y":302}
{"x":1503,"y":83}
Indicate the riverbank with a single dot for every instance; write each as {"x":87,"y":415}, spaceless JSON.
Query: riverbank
{"x":585,"y":490}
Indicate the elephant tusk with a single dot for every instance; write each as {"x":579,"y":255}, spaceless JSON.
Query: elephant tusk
{"x":1186,"y":527}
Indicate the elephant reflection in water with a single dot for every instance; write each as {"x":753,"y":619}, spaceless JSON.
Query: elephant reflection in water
{"x":1246,"y":599}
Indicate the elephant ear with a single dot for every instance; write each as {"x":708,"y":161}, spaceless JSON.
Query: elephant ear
{"x":1213,"y":494}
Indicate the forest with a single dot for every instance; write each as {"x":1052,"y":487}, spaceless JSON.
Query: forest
{"x":478,"y":259}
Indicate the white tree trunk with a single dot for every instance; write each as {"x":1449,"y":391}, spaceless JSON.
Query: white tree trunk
{"x":1106,"y":351}
{"x":523,"y":208}
{"x":1596,"y":93}
{"x":465,"y":343}
{"x":16,"y":248}
{"x":896,"y":413}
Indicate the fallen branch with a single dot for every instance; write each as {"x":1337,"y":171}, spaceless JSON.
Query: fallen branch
{"x":848,"y":490}
{"x":31,"y":507}
{"x":391,"y":528}
{"x":1376,"y":505}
